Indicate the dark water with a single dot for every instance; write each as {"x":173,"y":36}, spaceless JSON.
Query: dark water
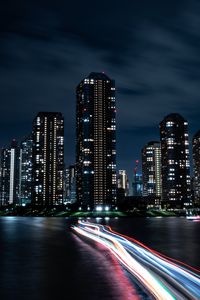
{"x":40,"y":258}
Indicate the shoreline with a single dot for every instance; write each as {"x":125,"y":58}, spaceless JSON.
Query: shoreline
{"x":91,"y":214}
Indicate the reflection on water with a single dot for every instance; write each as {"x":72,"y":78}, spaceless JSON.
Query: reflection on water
{"x":117,"y":282}
{"x":40,"y":258}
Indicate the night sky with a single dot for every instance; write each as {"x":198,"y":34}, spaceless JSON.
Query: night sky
{"x":150,"y":48}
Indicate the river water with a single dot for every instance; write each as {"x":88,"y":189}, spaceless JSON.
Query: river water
{"x":41,"y":258}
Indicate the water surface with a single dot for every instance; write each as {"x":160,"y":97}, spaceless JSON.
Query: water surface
{"x":41,"y":258}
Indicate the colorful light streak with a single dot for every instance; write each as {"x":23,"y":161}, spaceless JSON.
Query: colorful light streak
{"x":193,"y":218}
{"x":154,"y":251}
{"x":163,"y":278}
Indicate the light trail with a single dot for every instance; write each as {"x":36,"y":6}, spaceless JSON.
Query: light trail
{"x":154,"y":251}
{"x":163,"y":278}
{"x":184,"y":277}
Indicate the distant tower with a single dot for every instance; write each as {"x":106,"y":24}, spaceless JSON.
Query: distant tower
{"x":137,"y":183}
{"x":196,"y":167}
{"x":122,"y":182}
{"x":96,"y":141}
{"x":66,"y":185}
{"x":10,"y":166}
{"x":135,"y":170}
{"x":176,"y":189}
{"x":151,"y":169}
{"x":70,"y":184}
{"x":48,"y":159}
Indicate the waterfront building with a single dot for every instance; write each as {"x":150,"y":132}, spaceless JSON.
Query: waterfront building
{"x":96,"y":141}
{"x":10,"y":175}
{"x":176,"y":189}
{"x":196,"y":167}
{"x":48,"y":159}
{"x":151,"y":169}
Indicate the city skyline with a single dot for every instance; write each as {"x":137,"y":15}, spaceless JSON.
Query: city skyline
{"x":41,"y":156}
{"x":130,"y":167}
{"x":153,"y":56}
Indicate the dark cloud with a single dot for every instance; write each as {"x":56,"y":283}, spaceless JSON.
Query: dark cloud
{"x":137,"y":91}
{"x":151,"y":49}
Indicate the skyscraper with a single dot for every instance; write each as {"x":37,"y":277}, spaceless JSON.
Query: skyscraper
{"x":151,"y":169}
{"x":96,"y":141}
{"x":196,"y":167}
{"x":70,"y":184}
{"x":10,"y":175}
{"x":48,"y":159}
{"x":122,"y":182}
{"x":5,"y":176}
{"x":26,"y":170}
{"x":176,"y":190}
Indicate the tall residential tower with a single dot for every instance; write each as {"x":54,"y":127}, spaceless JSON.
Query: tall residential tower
{"x":48,"y":159}
{"x":96,"y":141}
{"x":196,"y":167}
{"x":176,"y":189}
{"x":10,"y":175}
{"x":151,"y":169}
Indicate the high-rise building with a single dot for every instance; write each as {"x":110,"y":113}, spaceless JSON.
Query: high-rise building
{"x":66,"y":185}
{"x":137,"y":185}
{"x":48,"y":159}
{"x":176,"y":190}
{"x":10,"y":175}
{"x":196,"y":167}
{"x":5,"y":176}
{"x":96,"y":141}
{"x":151,"y":169}
{"x":26,"y":170}
{"x":70,"y":184}
{"x":122,"y":182}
